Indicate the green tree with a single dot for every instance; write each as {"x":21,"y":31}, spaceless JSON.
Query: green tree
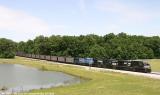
{"x":98,"y":52}
{"x":42,"y":45}
{"x":7,"y":48}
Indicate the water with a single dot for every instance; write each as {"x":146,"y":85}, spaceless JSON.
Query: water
{"x":21,"y":78}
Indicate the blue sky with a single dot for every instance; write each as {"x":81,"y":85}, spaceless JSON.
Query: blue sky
{"x":26,"y":19}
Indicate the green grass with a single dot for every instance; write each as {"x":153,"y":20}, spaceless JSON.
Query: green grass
{"x":100,"y":83}
{"x":155,"y":64}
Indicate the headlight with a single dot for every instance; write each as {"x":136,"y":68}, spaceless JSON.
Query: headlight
{"x":147,"y":67}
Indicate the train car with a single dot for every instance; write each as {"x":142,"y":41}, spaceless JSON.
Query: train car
{"x":98,"y":63}
{"x":79,"y":61}
{"x":48,"y":57}
{"x":89,"y":61}
{"x":54,"y":58}
{"x":20,"y":54}
{"x":37,"y":56}
{"x":84,"y":61}
{"x":140,"y":66}
{"x":70,"y":60}
{"x":61,"y":59}
{"x":33,"y":56}
{"x":42,"y":57}
{"x":26,"y":55}
{"x":17,"y":53}
{"x":30,"y":55}
{"x":23,"y":55}
{"x":109,"y":63}
{"x":123,"y":65}
{"x":76,"y":60}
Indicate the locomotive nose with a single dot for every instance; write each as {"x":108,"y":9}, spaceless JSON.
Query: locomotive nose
{"x":147,"y":66}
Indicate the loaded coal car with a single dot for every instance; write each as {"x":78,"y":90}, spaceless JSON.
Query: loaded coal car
{"x":37,"y":56}
{"x":61,"y":59}
{"x":30,"y":55}
{"x":24,"y":55}
{"x":54,"y":58}
{"x":19,"y":53}
{"x":42,"y":57}
{"x":27,"y":55}
{"x":48,"y":57}
{"x":33,"y":56}
{"x":140,"y":66}
{"x":70,"y":60}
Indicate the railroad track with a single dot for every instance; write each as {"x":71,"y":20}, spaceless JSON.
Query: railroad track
{"x":155,"y":73}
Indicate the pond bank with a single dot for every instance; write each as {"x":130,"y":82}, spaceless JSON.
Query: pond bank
{"x":20,"y":78}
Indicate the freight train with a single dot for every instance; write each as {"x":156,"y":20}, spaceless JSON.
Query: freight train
{"x":128,"y":65}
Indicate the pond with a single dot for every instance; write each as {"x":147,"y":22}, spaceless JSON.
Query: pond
{"x":21,"y":78}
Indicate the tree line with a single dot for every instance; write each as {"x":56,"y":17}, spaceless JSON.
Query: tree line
{"x":109,"y":46}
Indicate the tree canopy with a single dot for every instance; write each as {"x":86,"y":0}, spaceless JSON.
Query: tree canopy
{"x":110,"y":46}
{"x":7,"y":48}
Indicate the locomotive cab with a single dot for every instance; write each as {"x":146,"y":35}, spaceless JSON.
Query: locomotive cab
{"x":140,"y":66}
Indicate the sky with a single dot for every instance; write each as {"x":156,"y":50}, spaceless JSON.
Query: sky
{"x":21,"y":20}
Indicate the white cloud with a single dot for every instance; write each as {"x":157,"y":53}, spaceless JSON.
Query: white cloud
{"x":21,"y":24}
{"x":19,"y":21}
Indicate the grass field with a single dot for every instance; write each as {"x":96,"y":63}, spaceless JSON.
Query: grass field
{"x":100,"y":83}
{"x":155,"y":63}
